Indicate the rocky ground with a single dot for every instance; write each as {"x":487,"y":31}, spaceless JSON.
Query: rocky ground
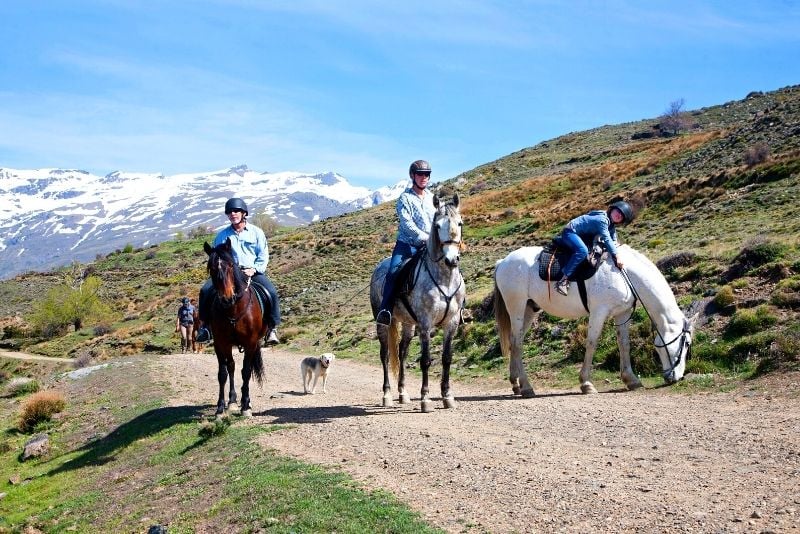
{"x":652,"y":460}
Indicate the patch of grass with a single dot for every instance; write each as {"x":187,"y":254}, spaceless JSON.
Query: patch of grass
{"x":749,"y":321}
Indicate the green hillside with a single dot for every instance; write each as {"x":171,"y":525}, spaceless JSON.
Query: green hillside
{"x":718,"y":211}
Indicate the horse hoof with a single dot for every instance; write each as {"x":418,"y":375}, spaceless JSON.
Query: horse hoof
{"x":449,"y":402}
{"x":247,"y":413}
{"x":587,"y":388}
{"x":219,"y":416}
{"x":427,"y":406}
{"x":233,"y":406}
{"x":405,"y":398}
{"x":528,"y":394}
{"x":516,"y":390}
{"x":634,"y":385}
{"x":388,"y":402}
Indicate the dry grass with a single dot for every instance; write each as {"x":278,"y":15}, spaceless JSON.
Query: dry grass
{"x":38,"y":408}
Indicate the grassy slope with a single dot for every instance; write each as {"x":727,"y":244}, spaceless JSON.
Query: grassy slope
{"x":696,"y":193}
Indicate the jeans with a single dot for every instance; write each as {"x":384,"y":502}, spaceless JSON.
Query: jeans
{"x":401,"y":252}
{"x":579,"y":251}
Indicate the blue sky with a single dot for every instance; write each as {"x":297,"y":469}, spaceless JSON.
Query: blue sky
{"x":361,"y":87}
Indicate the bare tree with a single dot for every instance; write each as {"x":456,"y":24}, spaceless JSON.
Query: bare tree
{"x":674,"y":120}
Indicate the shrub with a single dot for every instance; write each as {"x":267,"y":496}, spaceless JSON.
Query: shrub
{"x":19,"y":386}
{"x":40,"y":408}
{"x":758,"y":153}
{"x":679,"y":259}
{"x":746,"y":322}
{"x":755,"y":253}
{"x":787,"y":294}
{"x":724,"y":297}
{"x":217,"y":427}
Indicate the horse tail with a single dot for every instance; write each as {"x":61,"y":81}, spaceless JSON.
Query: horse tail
{"x":502,"y":321}
{"x":394,"y":343}
{"x":257,"y":366}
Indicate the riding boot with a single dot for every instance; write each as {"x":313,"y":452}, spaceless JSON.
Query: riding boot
{"x":563,"y":286}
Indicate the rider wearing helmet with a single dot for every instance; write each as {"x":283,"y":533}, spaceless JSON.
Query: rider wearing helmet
{"x":184,"y":323}
{"x":415,"y":212}
{"x":586,"y":227}
{"x":249,"y":245}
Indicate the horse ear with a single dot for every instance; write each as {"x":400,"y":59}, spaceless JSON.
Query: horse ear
{"x":228,"y":243}
{"x":207,"y":248}
{"x":455,"y":200}
{"x":436,"y":202}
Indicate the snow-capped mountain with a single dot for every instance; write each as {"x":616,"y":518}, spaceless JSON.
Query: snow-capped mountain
{"x":51,"y":217}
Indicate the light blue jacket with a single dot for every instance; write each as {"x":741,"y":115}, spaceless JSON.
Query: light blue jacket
{"x":594,"y":223}
{"x":249,"y":246}
{"x":416,"y":216}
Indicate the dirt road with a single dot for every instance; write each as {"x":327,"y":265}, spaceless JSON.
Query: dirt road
{"x":653,"y":460}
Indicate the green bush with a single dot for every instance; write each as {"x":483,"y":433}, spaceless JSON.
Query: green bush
{"x":745,"y":322}
{"x":724,"y":297}
{"x":18,"y":387}
{"x":66,"y":305}
{"x":787,"y":293}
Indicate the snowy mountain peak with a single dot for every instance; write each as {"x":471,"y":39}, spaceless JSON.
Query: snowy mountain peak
{"x":50,"y":217}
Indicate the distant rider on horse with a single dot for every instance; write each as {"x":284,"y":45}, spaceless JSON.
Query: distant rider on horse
{"x":416,"y":213}
{"x":586,"y":227}
{"x":249,"y":245}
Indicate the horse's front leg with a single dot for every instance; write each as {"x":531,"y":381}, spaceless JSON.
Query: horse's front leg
{"x":425,"y":364}
{"x":247,"y":371}
{"x":624,"y":343}
{"x":405,"y":341}
{"x":222,"y":377}
{"x":448,"y":399}
{"x":232,"y":402}
{"x":596,"y":321}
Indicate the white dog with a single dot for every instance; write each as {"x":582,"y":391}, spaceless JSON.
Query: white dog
{"x":315,"y":367}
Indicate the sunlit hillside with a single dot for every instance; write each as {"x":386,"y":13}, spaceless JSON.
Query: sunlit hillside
{"x":718,"y":210}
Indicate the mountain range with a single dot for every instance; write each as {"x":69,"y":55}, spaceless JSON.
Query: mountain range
{"x":51,"y":217}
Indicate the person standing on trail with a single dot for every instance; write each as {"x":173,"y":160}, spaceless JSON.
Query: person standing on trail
{"x":415,"y":212}
{"x":250,"y":248}
{"x":185,"y":324}
{"x":584,"y":228}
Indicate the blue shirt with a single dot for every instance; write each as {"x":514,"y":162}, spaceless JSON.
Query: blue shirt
{"x":416,"y":216}
{"x":249,"y":246}
{"x":594,"y":223}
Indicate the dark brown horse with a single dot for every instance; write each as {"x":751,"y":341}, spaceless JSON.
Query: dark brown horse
{"x":236,"y":321}
{"x":197,"y":347}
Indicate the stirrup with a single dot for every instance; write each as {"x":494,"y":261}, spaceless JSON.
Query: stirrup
{"x":272,"y":338}
{"x":384,"y":317}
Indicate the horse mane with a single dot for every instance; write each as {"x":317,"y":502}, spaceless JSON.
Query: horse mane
{"x":658,"y":282}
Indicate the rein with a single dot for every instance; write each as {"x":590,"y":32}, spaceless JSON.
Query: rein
{"x":665,"y":344}
{"x":447,"y":297}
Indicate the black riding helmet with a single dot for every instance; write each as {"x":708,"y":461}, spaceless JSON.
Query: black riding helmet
{"x":235,"y":204}
{"x":624,"y":208}
{"x":420,"y":166}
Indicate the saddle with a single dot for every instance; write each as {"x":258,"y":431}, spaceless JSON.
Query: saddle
{"x":556,"y":254}
{"x":404,"y":281}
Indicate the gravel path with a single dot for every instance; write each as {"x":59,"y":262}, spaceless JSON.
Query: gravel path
{"x":652,"y":460}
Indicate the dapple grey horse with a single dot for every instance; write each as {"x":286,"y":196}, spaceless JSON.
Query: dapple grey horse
{"x":434,"y":301}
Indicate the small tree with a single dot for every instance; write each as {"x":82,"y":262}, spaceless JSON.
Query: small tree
{"x":674,"y":120}
{"x":758,"y":153}
{"x":265,"y":221}
{"x":69,"y":304}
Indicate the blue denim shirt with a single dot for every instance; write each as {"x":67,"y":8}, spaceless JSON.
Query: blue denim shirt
{"x":594,"y":223}
{"x":249,"y":246}
{"x":416,"y":216}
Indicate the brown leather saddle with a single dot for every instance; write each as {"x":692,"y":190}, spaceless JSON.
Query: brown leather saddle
{"x":556,"y":254}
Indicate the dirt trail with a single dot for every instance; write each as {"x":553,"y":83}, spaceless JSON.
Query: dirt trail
{"x":25,"y":356}
{"x":646,"y":461}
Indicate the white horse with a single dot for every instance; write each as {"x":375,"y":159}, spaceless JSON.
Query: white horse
{"x":520,"y":293}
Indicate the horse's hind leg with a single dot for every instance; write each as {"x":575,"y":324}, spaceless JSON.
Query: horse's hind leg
{"x":232,"y":402}
{"x":626,"y":373}
{"x":520,"y":323}
{"x":405,"y":342}
{"x":222,"y":377}
{"x":247,"y":371}
{"x":383,"y":337}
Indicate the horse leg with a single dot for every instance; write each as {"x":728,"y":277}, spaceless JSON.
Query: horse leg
{"x":383,"y":337}
{"x":405,"y":342}
{"x":521,"y":321}
{"x":222,"y":377}
{"x":425,"y":364}
{"x":247,"y":370}
{"x":596,"y":321}
{"x":232,"y":402}
{"x":624,"y":343}
{"x":448,"y":399}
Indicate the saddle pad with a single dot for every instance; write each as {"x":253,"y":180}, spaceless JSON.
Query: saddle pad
{"x":552,"y":259}
{"x":264,"y":299}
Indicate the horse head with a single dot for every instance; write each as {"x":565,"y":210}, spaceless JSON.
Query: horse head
{"x":674,"y":351}
{"x":445,"y":235}
{"x":227,"y":278}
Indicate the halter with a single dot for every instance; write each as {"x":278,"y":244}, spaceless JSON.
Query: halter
{"x":682,"y":335}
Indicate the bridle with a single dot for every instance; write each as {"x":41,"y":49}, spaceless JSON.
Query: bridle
{"x":682,"y":336}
